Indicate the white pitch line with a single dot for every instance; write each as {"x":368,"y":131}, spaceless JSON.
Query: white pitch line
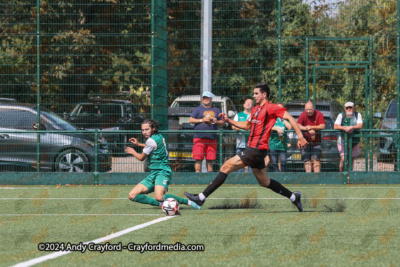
{"x":222,"y":198}
{"x":99,"y":240}
{"x":16,"y":188}
{"x":100,"y":214}
{"x":313,"y":187}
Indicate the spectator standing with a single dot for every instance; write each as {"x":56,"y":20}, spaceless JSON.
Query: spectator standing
{"x":312,"y":121}
{"x":348,"y":122}
{"x":241,"y":140}
{"x":205,"y":118}
{"x":278,"y":143}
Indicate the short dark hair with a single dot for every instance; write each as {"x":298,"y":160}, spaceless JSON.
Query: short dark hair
{"x":153,"y":124}
{"x":264,"y":88}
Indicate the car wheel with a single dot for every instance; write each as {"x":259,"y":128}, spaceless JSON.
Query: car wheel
{"x":71,"y":160}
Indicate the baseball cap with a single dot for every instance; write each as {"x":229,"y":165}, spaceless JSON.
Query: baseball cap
{"x":349,"y":104}
{"x":208,"y":94}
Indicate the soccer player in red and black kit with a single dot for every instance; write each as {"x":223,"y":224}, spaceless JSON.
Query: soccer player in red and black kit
{"x":262,"y":119}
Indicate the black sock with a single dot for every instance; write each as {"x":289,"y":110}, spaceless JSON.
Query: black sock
{"x":218,"y":181}
{"x":280,"y":189}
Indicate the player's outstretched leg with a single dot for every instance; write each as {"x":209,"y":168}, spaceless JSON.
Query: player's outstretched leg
{"x":183,"y":201}
{"x":146,"y":200}
{"x":199,"y":199}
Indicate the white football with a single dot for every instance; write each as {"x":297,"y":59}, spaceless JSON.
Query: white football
{"x":170,"y":207}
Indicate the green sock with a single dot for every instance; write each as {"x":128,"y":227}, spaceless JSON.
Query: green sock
{"x":146,"y":200}
{"x":179,"y":199}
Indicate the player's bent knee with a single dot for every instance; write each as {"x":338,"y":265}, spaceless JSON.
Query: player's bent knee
{"x":131,"y":196}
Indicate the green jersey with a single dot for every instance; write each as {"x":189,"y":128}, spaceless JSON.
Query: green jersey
{"x":274,"y":142}
{"x":241,"y":141}
{"x":156,"y":151}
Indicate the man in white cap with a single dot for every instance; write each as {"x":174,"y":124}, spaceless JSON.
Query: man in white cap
{"x":205,"y":117}
{"x":348,"y":122}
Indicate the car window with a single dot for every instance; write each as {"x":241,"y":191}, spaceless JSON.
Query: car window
{"x":56,"y":121}
{"x":230,"y":105}
{"x":17,"y":119}
{"x":218,"y":105}
{"x":110,"y":110}
{"x":329,"y":123}
{"x":392,"y":110}
{"x":85,"y":110}
{"x":320,"y":107}
{"x":295,"y":106}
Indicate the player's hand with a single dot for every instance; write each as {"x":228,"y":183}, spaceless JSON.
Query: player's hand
{"x":134,"y":141}
{"x":302,"y":142}
{"x":223,"y":116}
{"x":129,"y":150}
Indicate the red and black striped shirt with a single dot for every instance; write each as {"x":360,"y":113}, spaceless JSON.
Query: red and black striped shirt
{"x":262,"y":120}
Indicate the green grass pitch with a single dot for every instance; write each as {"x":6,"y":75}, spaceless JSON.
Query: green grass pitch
{"x":238,"y":226}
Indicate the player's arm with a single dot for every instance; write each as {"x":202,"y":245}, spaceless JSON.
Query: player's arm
{"x":287,"y":124}
{"x":302,"y":141}
{"x":245,"y":125}
{"x":132,"y":151}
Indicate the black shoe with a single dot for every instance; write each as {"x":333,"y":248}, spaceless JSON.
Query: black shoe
{"x":195,"y":198}
{"x":297,"y":201}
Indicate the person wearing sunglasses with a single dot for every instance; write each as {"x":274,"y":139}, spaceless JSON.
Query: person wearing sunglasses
{"x":348,"y":121}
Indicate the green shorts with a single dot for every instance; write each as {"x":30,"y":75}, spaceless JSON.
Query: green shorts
{"x":157,"y":177}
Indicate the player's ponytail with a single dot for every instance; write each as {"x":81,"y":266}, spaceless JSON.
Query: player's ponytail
{"x":153,"y":124}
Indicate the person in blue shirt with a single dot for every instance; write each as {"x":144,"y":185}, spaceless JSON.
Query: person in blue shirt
{"x":205,"y":118}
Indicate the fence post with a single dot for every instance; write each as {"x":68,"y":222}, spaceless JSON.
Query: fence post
{"x":38,"y":83}
{"x":221,"y":132}
{"x":345,"y":163}
{"x":96,"y":173}
{"x":350,"y":156}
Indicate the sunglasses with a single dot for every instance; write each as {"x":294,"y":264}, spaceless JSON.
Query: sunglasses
{"x":348,"y":107}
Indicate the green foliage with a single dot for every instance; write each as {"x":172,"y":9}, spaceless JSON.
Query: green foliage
{"x":104,"y":48}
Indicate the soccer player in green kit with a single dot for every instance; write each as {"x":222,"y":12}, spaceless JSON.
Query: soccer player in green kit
{"x":160,"y":171}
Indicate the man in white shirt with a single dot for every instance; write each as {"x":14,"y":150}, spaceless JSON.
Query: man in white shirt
{"x":348,"y":122}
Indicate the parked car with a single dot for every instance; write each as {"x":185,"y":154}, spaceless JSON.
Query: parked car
{"x":107,"y":114}
{"x":332,"y":107}
{"x":387,"y":145}
{"x":330,"y":157}
{"x":60,"y":152}
{"x":180,"y":145}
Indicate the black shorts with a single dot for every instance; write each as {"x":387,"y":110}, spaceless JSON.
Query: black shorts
{"x":253,"y":157}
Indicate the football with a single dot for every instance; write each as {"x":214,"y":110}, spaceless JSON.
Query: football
{"x":170,"y":207}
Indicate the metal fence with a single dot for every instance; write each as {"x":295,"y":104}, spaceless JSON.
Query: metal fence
{"x":88,"y":151}
{"x":107,"y":65}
